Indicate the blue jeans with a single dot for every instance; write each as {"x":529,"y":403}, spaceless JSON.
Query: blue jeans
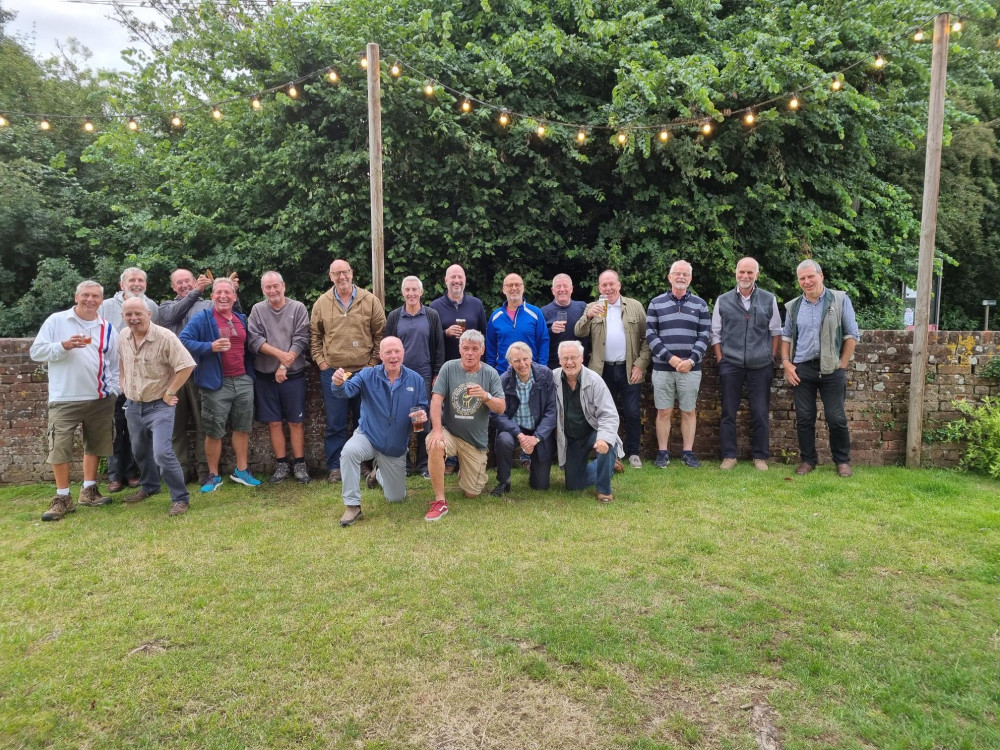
{"x":338,"y":416}
{"x":832,"y":389}
{"x":627,"y":397}
{"x":581,"y":474}
{"x":151,"y":428}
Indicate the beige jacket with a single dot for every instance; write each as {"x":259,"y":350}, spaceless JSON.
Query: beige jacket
{"x":346,"y":339}
{"x":636,"y":349}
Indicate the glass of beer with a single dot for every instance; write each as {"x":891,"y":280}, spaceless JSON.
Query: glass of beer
{"x":460,"y":322}
{"x":417,"y":418}
{"x":603,"y":310}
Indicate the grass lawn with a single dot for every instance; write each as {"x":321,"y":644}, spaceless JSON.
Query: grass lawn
{"x":701,"y":609}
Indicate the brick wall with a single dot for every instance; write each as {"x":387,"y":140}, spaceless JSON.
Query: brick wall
{"x":877,"y":407}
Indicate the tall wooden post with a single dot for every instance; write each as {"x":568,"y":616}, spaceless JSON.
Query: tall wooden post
{"x":375,"y":171}
{"x":928,"y":231}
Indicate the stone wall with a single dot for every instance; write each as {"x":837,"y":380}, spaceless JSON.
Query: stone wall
{"x":877,"y":406}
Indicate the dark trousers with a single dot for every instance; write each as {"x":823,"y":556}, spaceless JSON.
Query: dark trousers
{"x":541,"y":459}
{"x":627,"y":397}
{"x":188,"y":409}
{"x":732,"y":379}
{"x":339,"y":412}
{"x":581,"y":472}
{"x":420,"y":465}
{"x":832,"y":389}
{"x":121,"y":463}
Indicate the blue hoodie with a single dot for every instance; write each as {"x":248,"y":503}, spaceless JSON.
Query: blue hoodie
{"x":385,"y":411}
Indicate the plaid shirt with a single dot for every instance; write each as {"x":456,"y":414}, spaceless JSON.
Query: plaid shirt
{"x":523,"y":414}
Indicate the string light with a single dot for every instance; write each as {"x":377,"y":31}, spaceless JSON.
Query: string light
{"x":88,"y":126}
{"x":255,"y":103}
{"x":332,"y":76}
{"x":918,"y":35}
{"x":706,"y":127}
{"x":176,"y":121}
{"x":396,"y":70}
{"x":429,"y":88}
{"x":44,"y":125}
{"x":749,"y":118}
{"x":3,"y":121}
{"x":879,"y":61}
{"x":541,"y":131}
{"x":622,"y":139}
{"x":293,"y":92}
{"x":132,"y":124}
{"x":664,"y":135}
{"x":957,"y":26}
{"x":216,"y":113}
{"x":504,"y":118}
{"x":363,"y":62}
{"x":794,"y":102}
{"x":837,"y":84}
{"x":581,"y":136}
{"x":466,"y":105}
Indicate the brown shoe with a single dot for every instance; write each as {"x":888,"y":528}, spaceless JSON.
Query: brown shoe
{"x":371,"y":482}
{"x":333,"y":477}
{"x":138,"y":497}
{"x":134,"y":482}
{"x":844,"y":470}
{"x":619,"y":467}
{"x":804,"y":468}
{"x":760,"y":464}
{"x":178,"y":509}
{"x":60,"y":506}
{"x":727,"y":464}
{"x":352,"y":513}
{"x":116,"y":486}
{"x":602,"y":498}
{"x":91,"y":497}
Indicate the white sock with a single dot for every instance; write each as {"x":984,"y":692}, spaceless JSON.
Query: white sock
{"x":64,"y":492}
{"x":88,"y":483}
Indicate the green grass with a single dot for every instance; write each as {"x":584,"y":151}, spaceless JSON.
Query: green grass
{"x":864,"y":612}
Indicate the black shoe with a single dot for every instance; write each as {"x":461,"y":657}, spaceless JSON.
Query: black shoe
{"x":501,"y":489}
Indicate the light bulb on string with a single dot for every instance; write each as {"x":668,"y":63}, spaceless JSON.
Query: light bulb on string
{"x":504,"y":118}
{"x":794,"y":102}
{"x":749,"y":118}
{"x":44,"y":125}
{"x":3,"y":122}
{"x":957,"y":26}
{"x":540,"y":131}
{"x":918,"y":35}
{"x":706,"y":127}
{"x":466,"y":105}
{"x":396,"y":70}
{"x":332,"y":76}
{"x":581,"y":136}
{"x":879,"y":61}
{"x":363,"y":62}
{"x":622,"y":139}
{"x":88,"y":126}
{"x":429,"y":88}
{"x":664,"y":135}
{"x":293,"y":93}
{"x":132,"y":124}
{"x":255,"y":104}
{"x":837,"y":84}
{"x":216,"y":113}
{"x":175,"y":120}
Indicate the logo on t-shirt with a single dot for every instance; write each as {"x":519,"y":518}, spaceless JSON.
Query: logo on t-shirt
{"x":463,"y":405}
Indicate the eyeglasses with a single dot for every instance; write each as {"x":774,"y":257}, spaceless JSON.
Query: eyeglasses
{"x":340,"y":273}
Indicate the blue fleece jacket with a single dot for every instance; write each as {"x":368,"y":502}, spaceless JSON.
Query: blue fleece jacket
{"x":198,"y":336}
{"x":385,"y":411}
{"x":528,"y":326}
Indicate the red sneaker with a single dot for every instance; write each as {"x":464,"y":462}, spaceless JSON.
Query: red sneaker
{"x":439,"y":508}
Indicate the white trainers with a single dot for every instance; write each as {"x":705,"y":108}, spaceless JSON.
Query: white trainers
{"x":634,"y":461}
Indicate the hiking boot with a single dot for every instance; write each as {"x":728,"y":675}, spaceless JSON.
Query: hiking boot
{"x":301,"y":472}
{"x":60,"y":506}
{"x":178,"y":509}
{"x":760,"y":464}
{"x":211,"y":483}
{"x":138,"y":497}
{"x":727,"y":464}
{"x":333,"y":477}
{"x":281,"y":472}
{"x":690,"y":460}
{"x":602,"y":498}
{"x":634,"y":461}
{"x":662,"y":459}
{"x":91,"y":497}
{"x":439,"y":509}
{"x":371,"y":481}
{"x":352,"y":513}
{"x":501,"y":489}
{"x":244,"y":477}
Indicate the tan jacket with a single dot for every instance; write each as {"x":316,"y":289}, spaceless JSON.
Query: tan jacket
{"x":346,"y":339}
{"x":636,"y":348}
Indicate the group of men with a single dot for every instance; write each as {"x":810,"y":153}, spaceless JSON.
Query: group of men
{"x":550,"y":381}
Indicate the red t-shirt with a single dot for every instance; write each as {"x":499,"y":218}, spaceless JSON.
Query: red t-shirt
{"x":233,"y":364}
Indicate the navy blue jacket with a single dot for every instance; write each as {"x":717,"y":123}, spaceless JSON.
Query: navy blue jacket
{"x":385,"y":411}
{"x":542,"y":403}
{"x":198,"y":336}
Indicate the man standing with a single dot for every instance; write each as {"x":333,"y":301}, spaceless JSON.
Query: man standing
{"x":154,"y":366}
{"x":419,"y":328}
{"x":174,"y":314}
{"x":561,"y":315}
{"x":218,"y":340}
{"x":278,"y":333}
{"x":528,"y":422}
{"x":122,"y":465}
{"x":746,"y":329}
{"x":619,"y":353}
{"x":455,"y":305}
{"x":678,"y":326}
{"x":817,"y":343}
{"x":465,"y":392}
{"x":515,"y":320}
{"x":345,"y":330}
{"x":392,"y":397}
{"x":587,"y":420}
{"x":81,"y":351}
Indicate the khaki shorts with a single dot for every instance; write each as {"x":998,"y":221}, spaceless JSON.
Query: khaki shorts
{"x":233,"y":402}
{"x":98,"y":419}
{"x":680,"y":387}
{"x":472,"y":475}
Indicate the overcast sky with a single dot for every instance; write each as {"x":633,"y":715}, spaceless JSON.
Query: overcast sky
{"x":41,"y":23}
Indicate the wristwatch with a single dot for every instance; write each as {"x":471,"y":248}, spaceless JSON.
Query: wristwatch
{"x":170,"y":393}
{"x":282,"y":367}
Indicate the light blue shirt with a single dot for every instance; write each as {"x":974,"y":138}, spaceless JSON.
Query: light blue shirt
{"x":808,"y":323}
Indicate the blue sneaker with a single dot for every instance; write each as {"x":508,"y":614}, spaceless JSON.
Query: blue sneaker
{"x":690,"y":460}
{"x":213,"y":483}
{"x":662,"y":459}
{"x":243,"y":476}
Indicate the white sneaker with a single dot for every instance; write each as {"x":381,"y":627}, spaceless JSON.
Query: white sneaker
{"x":635,"y":462}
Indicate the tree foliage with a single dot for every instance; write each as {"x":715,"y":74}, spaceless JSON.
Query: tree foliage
{"x":287,"y":187}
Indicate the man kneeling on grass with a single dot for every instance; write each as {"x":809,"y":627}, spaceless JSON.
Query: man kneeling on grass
{"x":587,"y":420}
{"x":392,"y":398}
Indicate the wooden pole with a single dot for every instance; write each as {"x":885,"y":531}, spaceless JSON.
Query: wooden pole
{"x":375,"y":171}
{"x":928,"y":231}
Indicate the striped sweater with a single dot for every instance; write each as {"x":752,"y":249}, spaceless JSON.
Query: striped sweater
{"x":677,"y":327}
